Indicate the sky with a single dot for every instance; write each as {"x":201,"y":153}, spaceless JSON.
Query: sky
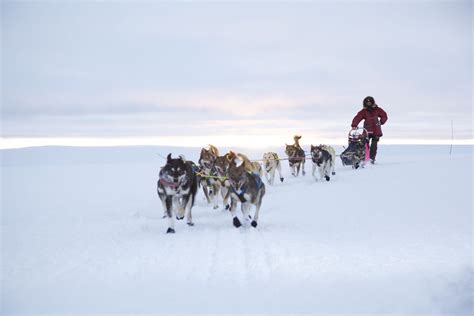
{"x":235,"y":73}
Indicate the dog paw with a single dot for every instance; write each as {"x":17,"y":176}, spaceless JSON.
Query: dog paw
{"x":327,"y":178}
{"x":254,"y":223}
{"x":190,"y":224}
{"x":236,"y":222}
{"x":281,"y":179}
{"x":215,"y":207}
{"x":333,"y":173}
{"x":227,"y":206}
{"x":179,"y":218}
{"x":170,"y":230}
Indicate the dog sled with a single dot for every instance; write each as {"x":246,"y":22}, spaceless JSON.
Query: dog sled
{"x":357,"y":152}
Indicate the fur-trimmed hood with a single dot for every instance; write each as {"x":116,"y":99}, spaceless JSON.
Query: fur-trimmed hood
{"x":367,"y":99}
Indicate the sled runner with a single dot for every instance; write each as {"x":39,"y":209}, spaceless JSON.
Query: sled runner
{"x":358,"y":150}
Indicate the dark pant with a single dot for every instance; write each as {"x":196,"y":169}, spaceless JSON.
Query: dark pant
{"x":373,"y":146}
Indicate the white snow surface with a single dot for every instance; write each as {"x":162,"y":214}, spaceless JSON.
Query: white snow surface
{"x":82,"y":233}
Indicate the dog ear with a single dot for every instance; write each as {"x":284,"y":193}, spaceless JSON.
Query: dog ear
{"x":239,"y":162}
{"x":168,"y":158}
{"x":231,"y":156}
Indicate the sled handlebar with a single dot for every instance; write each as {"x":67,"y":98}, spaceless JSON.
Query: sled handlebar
{"x":354,"y":132}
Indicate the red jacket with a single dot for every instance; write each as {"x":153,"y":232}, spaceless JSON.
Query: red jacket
{"x":372,"y":123}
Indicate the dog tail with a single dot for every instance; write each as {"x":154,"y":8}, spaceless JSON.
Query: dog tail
{"x":244,"y":158}
{"x":248,"y":165}
{"x":297,"y":140}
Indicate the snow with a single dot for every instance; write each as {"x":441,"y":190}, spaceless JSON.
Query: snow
{"x":82,"y":233}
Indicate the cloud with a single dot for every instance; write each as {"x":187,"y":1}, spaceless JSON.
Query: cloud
{"x":146,"y":102}
{"x":121,"y":69}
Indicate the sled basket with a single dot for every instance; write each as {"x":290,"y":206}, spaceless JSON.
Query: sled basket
{"x":357,"y":151}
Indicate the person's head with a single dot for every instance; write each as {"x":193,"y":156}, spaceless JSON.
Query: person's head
{"x":369,"y":102}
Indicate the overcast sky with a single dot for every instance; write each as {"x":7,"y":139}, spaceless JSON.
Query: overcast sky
{"x":211,"y":72}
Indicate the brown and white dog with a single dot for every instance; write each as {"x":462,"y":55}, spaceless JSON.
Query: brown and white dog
{"x":271,"y":163}
{"x":296,"y":156}
{"x":210,"y":185}
{"x":221,"y":166}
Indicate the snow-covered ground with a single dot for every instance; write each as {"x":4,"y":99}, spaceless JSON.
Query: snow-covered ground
{"x":82,"y":233}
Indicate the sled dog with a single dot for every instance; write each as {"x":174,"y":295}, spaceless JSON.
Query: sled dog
{"x":323,"y":161}
{"x":271,"y":163}
{"x":247,"y":188}
{"x":207,"y":174}
{"x":177,"y":187}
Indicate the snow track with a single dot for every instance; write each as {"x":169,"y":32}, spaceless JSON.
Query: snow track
{"x":82,"y":233}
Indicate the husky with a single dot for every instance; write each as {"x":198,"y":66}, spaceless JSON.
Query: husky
{"x":207,"y":174}
{"x":323,"y":160}
{"x":271,"y":163}
{"x":177,"y":188}
{"x":221,"y":166}
{"x":296,"y":156}
{"x":248,"y":189}
{"x":207,"y":157}
{"x":331,"y":150}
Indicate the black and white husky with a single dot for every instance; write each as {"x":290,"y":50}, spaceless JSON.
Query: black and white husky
{"x":332,"y":151}
{"x":177,"y":187}
{"x":271,"y":163}
{"x":248,"y":189}
{"x":323,"y":161}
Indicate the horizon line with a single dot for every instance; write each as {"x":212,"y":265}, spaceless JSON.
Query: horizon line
{"x":249,"y":141}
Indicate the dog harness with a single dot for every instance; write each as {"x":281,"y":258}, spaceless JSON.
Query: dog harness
{"x":268,"y":168}
{"x":240,"y":195}
{"x":297,"y":157}
{"x":318,"y":162}
{"x":258,"y":180}
{"x":194,"y":167}
{"x":171,"y":184}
